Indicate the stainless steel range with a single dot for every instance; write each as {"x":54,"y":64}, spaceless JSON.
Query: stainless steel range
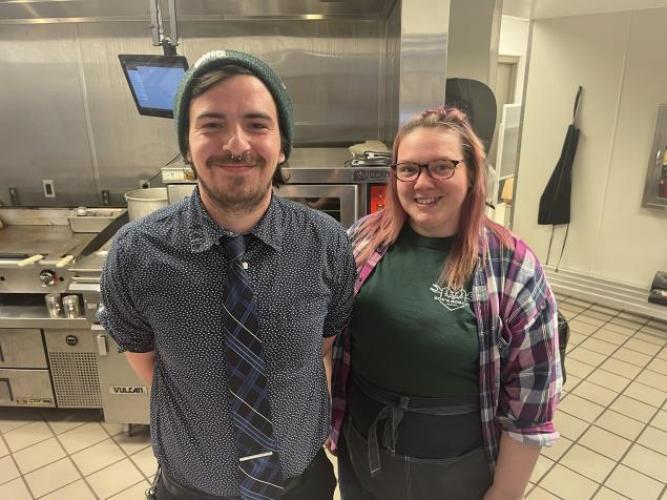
{"x":125,"y":398}
{"x":47,"y":358}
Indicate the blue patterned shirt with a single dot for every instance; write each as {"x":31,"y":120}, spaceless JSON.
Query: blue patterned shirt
{"x":162,"y":289}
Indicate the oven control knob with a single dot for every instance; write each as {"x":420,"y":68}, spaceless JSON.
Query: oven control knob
{"x":48,"y":278}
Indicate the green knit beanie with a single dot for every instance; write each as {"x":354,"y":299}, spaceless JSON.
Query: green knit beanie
{"x":218,"y":59}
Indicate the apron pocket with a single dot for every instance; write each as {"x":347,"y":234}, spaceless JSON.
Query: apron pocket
{"x":466,"y":477}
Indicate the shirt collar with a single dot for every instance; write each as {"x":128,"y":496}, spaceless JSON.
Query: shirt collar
{"x":270,"y":228}
{"x":204,"y":232}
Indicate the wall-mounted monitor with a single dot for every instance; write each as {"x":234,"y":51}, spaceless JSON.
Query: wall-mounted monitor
{"x":153,"y":81}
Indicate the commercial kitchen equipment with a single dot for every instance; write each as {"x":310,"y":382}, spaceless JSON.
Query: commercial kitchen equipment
{"x":47,"y":361}
{"x":125,"y":398}
{"x":326,"y":179}
{"x":355,"y":70}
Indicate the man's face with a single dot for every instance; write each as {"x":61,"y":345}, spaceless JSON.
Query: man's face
{"x":234,"y":143}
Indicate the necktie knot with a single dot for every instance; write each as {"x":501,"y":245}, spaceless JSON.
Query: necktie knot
{"x":235,"y":246}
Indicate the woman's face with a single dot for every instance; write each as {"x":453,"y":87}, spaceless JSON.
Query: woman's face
{"x":433,"y":206}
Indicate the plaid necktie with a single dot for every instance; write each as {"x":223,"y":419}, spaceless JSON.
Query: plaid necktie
{"x":259,"y":468}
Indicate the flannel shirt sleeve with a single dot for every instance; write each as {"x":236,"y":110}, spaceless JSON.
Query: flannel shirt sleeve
{"x":530,"y":376}
{"x":341,"y":359}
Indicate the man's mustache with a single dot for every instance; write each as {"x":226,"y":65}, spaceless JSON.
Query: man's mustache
{"x":231,"y":159}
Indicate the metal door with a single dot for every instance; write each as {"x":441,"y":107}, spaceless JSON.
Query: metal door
{"x":125,"y":397}
{"x":25,"y":388}
{"x":341,"y":201}
{"x":74,"y":368}
{"x":21,"y":348}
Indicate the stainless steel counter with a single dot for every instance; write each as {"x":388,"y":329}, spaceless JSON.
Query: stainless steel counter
{"x":29,"y":311}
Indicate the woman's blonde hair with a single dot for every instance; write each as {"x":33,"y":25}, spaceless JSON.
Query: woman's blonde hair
{"x":383,"y":228}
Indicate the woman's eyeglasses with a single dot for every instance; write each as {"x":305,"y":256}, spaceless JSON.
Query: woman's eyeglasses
{"x":439,"y":170}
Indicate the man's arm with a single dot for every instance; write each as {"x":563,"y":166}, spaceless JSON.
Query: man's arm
{"x":515,"y":465}
{"x":142,"y":363}
{"x":327,"y":349}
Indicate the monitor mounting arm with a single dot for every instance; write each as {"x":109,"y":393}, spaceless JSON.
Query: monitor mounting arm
{"x":168,"y":43}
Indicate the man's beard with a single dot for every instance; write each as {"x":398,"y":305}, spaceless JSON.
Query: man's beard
{"x":240,"y":195}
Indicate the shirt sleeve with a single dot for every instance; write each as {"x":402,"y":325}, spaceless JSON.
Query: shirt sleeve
{"x":530,"y":377}
{"x":119,"y":314}
{"x":342,"y":294}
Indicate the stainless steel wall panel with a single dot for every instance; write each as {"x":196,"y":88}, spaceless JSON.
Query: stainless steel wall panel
{"x":331,"y":69}
{"x":71,"y":116}
{"x":423,"y":54}
{"x":71,"y":11}
{"x":128,"y":146}
{"x":43,"y":131}
{"x":389,"y":84}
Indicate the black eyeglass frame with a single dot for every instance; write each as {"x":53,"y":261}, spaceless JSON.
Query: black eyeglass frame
{"x":427,"y":167}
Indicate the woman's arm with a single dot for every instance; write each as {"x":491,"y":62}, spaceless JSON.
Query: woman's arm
{"x":513,"y":470}
{"x":530,"y":375}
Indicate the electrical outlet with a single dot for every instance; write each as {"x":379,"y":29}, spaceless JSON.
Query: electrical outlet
{"x":49,"y":188}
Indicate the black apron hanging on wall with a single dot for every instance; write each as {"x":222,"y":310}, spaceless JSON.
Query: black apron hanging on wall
{"x":555,"y":200}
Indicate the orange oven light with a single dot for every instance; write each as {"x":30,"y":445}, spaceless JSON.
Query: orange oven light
{"x":377,"y":198}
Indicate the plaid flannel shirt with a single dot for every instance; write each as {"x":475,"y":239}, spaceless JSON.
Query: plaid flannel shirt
{"x":520,"y":376}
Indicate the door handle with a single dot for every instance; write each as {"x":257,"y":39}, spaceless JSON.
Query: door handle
{"x":102,"y":349}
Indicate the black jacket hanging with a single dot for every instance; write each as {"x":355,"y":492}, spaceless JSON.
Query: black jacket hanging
{"x":555,"y":200}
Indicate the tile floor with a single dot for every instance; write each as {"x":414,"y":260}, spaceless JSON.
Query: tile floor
{"x":613,"y":421}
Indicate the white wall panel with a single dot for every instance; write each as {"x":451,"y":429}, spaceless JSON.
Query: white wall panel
{"x":619,"y":60}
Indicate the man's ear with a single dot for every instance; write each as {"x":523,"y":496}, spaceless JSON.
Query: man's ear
{"x":281,"y":158}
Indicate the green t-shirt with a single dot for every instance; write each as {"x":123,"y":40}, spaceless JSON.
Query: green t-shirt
{"x":409,"y":335}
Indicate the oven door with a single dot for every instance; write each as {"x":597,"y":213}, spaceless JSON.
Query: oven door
{"x":340,"y":201}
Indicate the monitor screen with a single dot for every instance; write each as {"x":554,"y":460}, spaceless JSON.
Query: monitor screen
{"x":153,"y":81}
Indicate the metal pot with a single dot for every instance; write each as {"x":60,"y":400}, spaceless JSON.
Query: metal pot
{"x":141,"y":202}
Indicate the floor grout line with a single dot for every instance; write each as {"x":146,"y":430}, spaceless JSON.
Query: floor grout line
{"x":600,"y":320}
{"x":77,"y":468}
{"x":606,"y":408}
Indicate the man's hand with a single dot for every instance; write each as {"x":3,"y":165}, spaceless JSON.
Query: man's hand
{"x":143,"y":364}
{"x":327,"y":444}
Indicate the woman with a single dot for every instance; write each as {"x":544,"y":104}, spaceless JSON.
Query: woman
{"x":446,"y":382}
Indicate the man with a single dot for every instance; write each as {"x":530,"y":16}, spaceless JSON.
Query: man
{"x":228,"y":301}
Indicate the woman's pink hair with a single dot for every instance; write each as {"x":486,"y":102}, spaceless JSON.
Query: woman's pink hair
{"x":382,"y":228}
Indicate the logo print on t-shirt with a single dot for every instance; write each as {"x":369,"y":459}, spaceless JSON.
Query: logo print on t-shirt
{"x":450,"y":298}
